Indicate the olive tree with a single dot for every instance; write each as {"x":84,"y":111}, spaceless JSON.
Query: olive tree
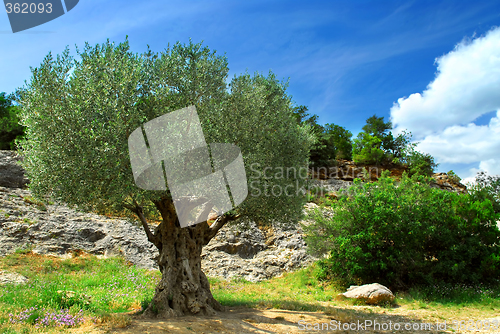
{"x":80,"y":111}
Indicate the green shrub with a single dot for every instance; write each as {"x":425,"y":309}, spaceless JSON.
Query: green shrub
{"x":407,"y":234}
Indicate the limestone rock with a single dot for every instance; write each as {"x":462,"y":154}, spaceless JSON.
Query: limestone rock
{"x":11,"y":173}
{"x":334,"y":179}
{"x":11,"y":278}
{"x":443,"y":181}
{"x":61,"y":230}
{"x":370,"y":293}
{"x":240,"y":249}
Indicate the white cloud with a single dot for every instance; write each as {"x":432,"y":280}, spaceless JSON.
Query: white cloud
{"x":466,"y":86}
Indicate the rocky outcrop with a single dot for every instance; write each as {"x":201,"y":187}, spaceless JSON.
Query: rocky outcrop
{"x":238,"y":250}
{"x":370,"y":293}
{"x":11,"y":173}
{"x":333,"y":179}
{"x":444,"y":181}
{"x":59,"y":230}
{"x":242,"y":250}
{"x":348,"y":171}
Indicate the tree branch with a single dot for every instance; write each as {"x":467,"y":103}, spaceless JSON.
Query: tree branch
{"x":137,"y":209}
{"x":217,"y":225}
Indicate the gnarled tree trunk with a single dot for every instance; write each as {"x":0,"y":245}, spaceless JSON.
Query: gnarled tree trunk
{"x":183,"y":289}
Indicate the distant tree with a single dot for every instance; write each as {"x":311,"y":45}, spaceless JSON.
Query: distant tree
{"x":10,"y":129}
{"x":405,"y":153}
{"x":79,"y":115}
{"x":396,"y":146}
{"x":373,"y":142}
{"x":419,"y":163}
{"x":376,"y":127}
{"x":332,"y":142}
{"x":301,"y":115}
{"x":377,"y":145}
{"x":367,"y":149}
{"x":486,"y":187}
{"x":340,"y":138}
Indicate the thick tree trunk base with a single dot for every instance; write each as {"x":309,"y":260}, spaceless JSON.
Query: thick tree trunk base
{"x":183,"y":289}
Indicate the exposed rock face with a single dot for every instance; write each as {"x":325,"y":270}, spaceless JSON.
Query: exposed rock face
{"x":243,"y":250}
{"x":370,"y":293}
{"x":60,"y":231}
{"x":11,"y":174}
{"x":333,"y":179}
{"x":331,"y":185}
{"x":444,"y":181}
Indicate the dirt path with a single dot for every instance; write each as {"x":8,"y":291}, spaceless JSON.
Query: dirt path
{"x":245,"y":320}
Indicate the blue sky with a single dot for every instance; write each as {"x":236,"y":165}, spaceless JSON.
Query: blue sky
{"x":345,"y":60}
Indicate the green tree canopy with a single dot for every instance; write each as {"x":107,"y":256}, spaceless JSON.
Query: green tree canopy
{"x":331,"y":141}
{"x":376,"y":145}
{"x":79,"y":114}
{"x":371,"y":144}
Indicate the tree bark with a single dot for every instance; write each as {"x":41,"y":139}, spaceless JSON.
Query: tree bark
{"x":183,"y":289}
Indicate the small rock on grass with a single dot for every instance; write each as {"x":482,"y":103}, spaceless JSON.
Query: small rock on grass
{"x":369,"y":293}
{"x":11,"y":278}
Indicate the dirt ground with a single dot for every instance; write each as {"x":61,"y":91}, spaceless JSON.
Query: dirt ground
{"x":245,"y":320}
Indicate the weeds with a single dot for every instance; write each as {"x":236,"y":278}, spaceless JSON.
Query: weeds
{"x":39,"y":204}
{"x":68,"y":293}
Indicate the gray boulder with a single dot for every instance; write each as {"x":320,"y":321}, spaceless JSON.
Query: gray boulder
{"x":370,"y":293}
{"x":7,"y":277}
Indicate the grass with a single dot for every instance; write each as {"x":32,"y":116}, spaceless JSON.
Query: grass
{"x":87,"y":291}
{"x":301,"y":291}
{"x":297,"y":291}
{"x":70,"y":293}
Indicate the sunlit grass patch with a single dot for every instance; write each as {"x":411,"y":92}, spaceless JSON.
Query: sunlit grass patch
{"x":298,"y":290}
{"x":63,"y":293}
{"x":301,"y":291}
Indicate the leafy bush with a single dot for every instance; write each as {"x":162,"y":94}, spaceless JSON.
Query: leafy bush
{"x":407,"y":234}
